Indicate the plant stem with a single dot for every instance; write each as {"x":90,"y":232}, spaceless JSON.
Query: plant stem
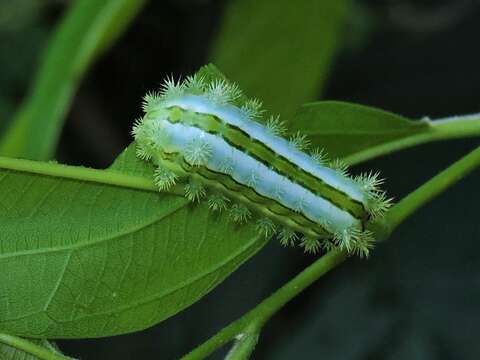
{"x":407,"y":206}
{"x":110,"y":177}
{"x":29,"y":347}
{"x":244,"y":345}
{"x":426,"y":192}
{"x":263,"y":311}
{"x":442,"y":129}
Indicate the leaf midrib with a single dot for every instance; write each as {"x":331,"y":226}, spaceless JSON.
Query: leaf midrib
{"x":71,"y":247}
{"x":408,"y":132}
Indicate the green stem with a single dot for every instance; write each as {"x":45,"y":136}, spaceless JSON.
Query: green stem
{"x":262,"y":312}
{"x":436,"y":185}
{"x":244,"y":345}
{"x":442,"y":129}
{"x":29,"y":347}
{"x":109,"y":177}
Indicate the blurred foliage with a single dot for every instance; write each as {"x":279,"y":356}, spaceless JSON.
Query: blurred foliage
{"x":23,"y":32}
{"x":88,"y":28}
{"x":277,"y":50}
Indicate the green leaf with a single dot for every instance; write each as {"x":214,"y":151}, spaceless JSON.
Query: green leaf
{"x":88,"y":29}
{"x":84,"y":259}
{"x":355,"y":132}
{"x":280,"y":50}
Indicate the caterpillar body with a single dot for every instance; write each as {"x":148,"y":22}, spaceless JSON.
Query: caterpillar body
{"x":200,"y":131}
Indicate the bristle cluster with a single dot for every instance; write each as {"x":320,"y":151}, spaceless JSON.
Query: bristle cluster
{"x":194,"y":191}
{"x":197,"y":152}
{"x":240,"y":214}
{"x":288,"y":237}
{"x":299,"y":141}
{"x":266,"y":227}
{"x":378,"y":203}
{"x":218,"y":202}
{"x":276,"y":126}
{"x":339,"y":165}
{"x":164,"y":178}
{"x":355,"y":241}
{"x":320,"y":156}
{"x":311,"y":245}
{"x":221,"y":92}
{"x":253,"y":108}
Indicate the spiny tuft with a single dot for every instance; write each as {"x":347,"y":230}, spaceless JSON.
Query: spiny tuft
{"x":143,"y":153}
{"x":370,"y":182}
{"x":276,"y":126}
{"x":252,"y":108}
{"x":319,"y":155}
{"x":378,"y":204}
{"x":339,"y":165}
{"x":172,"y":88}
{"x":151,"y":100}
{"x":195,"y":84}
{"x":299,"y":141}
{"x":266,"y":227}
{"x":137,"y":126}
{"x":218,"y":202}
{"x":164,"y":178}
{"x":240,"y":213}
{"x":198,"y":151}
{"x":328,"y":245}
{"x":194,"y":191}
{"x":363,"y":244}
{"x":288,"y":237}
{"x":310,"y":244}
{"x":355,"y":241}
{"x":222,"y":92}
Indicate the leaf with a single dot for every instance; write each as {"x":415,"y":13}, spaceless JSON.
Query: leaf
{"x":346,"y":130}
{"x":82,"y":259}
{"x":280,"y":50}
{"x":89,"y":27}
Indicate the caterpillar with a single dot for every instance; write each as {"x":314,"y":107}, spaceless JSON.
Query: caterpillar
{"x":207,"y":134}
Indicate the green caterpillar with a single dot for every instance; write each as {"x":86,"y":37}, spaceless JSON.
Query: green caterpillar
{"x":198,"y":130}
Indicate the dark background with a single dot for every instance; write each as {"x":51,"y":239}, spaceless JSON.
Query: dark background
{"x":418,"y":297}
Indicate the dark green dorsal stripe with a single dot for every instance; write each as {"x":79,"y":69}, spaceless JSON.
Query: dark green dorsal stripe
{"x":248,"y":196}
{"x":240,"y":140}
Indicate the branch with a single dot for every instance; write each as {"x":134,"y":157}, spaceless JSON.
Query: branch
{"x":433,"y":187}
{"x":244,"y":345}
{"x":453,"y":127}
{"x":263,"y":311}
